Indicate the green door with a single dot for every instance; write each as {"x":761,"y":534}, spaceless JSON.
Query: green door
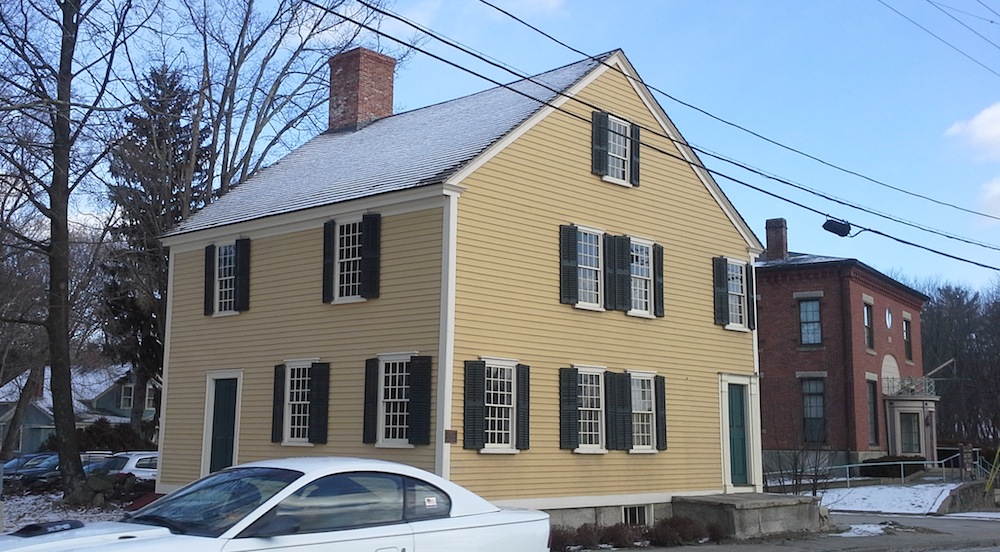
{"x":223,"y":424}
{"x":738,"y":434}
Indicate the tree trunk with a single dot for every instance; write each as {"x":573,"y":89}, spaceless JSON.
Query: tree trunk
{"x":32,"y":386}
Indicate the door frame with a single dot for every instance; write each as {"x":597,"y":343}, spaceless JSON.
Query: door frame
{"x":206,"y":443}
{"x":753,"y":438}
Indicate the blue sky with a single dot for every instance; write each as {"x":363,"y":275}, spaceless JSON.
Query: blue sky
{"x":851,"y":82}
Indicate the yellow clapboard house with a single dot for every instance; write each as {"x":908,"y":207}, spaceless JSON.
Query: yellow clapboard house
{"x":534,"y":291}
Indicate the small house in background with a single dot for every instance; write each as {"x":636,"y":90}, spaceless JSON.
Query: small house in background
{"x":841,"y":369}
{"x":97,"y":393}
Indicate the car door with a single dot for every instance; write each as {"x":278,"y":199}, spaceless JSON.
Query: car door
{"x":347,"y":512}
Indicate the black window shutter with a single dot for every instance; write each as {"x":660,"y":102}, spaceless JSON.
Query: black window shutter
{"x":420,"y":400}
{"x":634,"y":143}
{"x":521,"y":439}
{"x":371,"y":239}
{"x":618,"y":402}
{"x":242,"y":292}
{"x":369,"y":432}
{"x":569,"y":290}
{"x":475,"y":404}
{"x":599,"y":143}
{"x":658,"y":281}
{"x":319,"y":401}
{"x":720,"y":277}
{"x":329,"y":259}
{"x":623,"y":273}
{"x":660,"y":394}
{"x":569,"y":413}
{"x":209,"y":280}
{"x":611,"y":282}
{"x":751,"y":297}
{"x":278,"y":405}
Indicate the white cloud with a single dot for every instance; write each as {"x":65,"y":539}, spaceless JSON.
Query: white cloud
{"x":990,"y":199}
{"x":982,"y":131}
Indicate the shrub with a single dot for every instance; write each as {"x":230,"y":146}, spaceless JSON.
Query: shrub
{"x":588,"y":535}
{"x":716,"y":532}
{"x":562,"y":537}
{"x":621,"y":535}
{"x":675,"y":531}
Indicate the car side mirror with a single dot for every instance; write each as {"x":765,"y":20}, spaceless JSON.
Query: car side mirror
{"x":272,"y":526}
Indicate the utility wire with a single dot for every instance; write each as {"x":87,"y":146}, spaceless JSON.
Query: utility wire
{"x":650,"y":146}
{"x":962,"y":23}
{"x":742,"y":128}
{"x":970,"y":14}
{"x":464,"y":49}
{"x":949,"y":44}
{"x":983,"y":4}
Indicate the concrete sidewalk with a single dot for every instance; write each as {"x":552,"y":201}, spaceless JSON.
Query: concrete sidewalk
{"x":909,"y":534}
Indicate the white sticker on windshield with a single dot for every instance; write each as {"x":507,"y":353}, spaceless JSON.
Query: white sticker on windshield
{"x":431,"y":502}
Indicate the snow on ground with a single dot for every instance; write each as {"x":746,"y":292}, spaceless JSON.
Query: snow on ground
{"x":887,"y":499}
{"x":19,"y":511}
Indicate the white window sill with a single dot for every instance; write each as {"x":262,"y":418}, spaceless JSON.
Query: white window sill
{"x":499,"y":451}
{"x":297,"y":444}
{"x":590,"y":451}
{"x":394,"y":445}
{"x":348,"y":300}
{"x":737,"y":327}
{"x":220,"y":314}
{"x":641,"y":314}
{"x":643,"y":451}
{"x":618,"y":181}
{"x":590,"y":307}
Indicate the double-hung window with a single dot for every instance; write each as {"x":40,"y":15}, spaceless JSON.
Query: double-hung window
{"x":227,"y":277}
{"x":814,"y":426}
{"x":496,"y":405}
{"x":810,"y":330}
{"x":734,"y":296}
{"x":615,"y":149}
{"x":908,"y":338}
{"x":602,"y":410}
{"x":351,"y":251}
{"x":869,"y":324}
{"x":301,"y":402}
{"x":600,"y":271}
{"x":128,"y":395}
{"x":397,"y":400}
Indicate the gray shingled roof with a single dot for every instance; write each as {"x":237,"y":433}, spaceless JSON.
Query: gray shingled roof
{"x":407,"y":150}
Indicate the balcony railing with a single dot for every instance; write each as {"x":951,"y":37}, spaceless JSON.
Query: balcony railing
{"x":908,"y":387}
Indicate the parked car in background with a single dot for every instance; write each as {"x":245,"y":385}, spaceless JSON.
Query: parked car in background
{"x":41,"y":470}
{"x":329,"y":504}
{"x":142,"y":465}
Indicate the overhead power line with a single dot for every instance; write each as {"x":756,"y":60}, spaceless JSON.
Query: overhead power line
{"x":962,"y":23}
{"x":970,"y":14}
{"x":645,"y":144}
{"x":656,"y":132}
{"x":744,"y":129}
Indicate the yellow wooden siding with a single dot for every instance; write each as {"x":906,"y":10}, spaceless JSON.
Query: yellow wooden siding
{"x":288,"y":320}
{"x":507,"y":303}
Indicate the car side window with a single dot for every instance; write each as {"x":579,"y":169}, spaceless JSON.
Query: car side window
{"x":424,"y":501}
{"x":146,"y":463}
{"x":345,"y":501}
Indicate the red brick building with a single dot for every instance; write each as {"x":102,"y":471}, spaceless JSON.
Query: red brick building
{"x":840,"y":363}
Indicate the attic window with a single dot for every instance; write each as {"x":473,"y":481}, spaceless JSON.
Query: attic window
{"x":615,"y":149}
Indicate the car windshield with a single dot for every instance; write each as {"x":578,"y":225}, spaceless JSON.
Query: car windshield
{"x":38,"y":461}
{"x":210,"y":506}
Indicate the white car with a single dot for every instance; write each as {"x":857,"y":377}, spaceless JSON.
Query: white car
{"x":305,"y":504}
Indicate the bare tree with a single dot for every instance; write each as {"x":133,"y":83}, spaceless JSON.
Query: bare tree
{"x":262,"y":77}
{"x":57,"y":74}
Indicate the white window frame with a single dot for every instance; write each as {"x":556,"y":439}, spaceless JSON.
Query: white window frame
{"x":225,"y":278}
{"x":600,"y":447}
{"x":296,"y":403}
{"x":128,"y":394}
{"x":150,"y":397}
{"x":598,"y":235}
{"x":500,"y":412}
{"x":736,"y":297}
{"x":644,"y":276}
{"x":385,"y":398}
{"x":347,"y":261}
{"x":643,"y":378}
{"x":619,"y":151}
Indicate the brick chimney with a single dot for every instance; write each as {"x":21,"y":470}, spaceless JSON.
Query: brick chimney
{"x":360,"y":88}
{"x":777,"y":239}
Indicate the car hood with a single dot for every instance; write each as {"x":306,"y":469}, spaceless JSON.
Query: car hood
{"x":108,"y":535}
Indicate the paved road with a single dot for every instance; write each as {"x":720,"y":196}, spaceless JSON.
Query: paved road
{"x":910,"y":534}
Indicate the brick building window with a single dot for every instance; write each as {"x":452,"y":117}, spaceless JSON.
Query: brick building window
{"x":810,"y":331}
{"x":814,"y":429}
{"x":869,"y":326}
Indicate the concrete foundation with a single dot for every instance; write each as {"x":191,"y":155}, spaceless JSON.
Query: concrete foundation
{"x":747,"y":515}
